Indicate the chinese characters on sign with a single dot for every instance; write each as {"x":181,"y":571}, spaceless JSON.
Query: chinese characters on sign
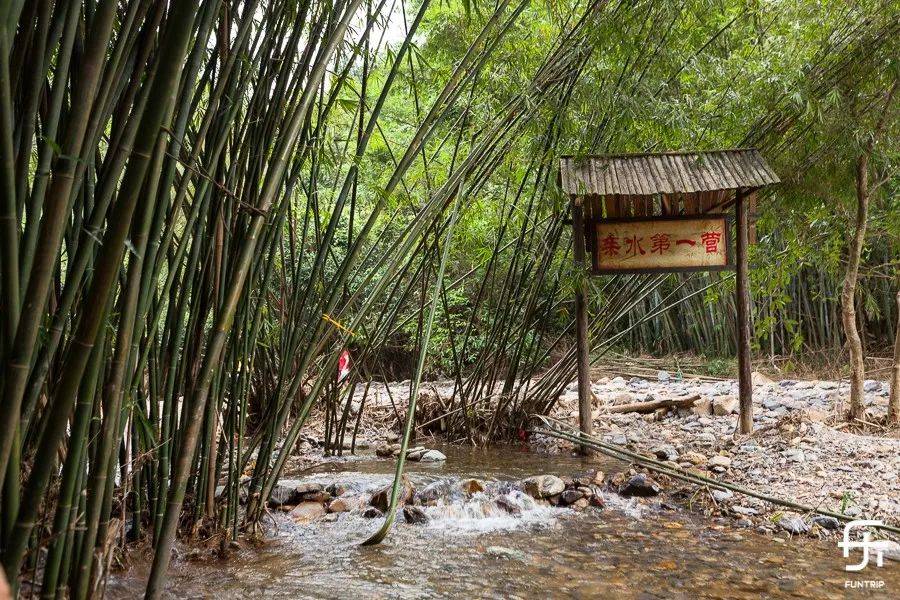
{"x":653,"y":244}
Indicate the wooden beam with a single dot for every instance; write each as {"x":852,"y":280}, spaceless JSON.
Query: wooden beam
{"x":742,"y":299}
{"x":582,"y":344}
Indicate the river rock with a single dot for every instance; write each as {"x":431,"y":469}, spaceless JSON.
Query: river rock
{"x":434,"y":491}
{"x":433,"y":456}
{"x":793,"y":523}
{"x":596,"y":499}
{"x":415,"y":454}
{"x":640,"y":485}
{"x":722,"y":495}
{"x":308,"y":490}
{"x":372,"y":513}
{"x":720,"y":461}
{"x":570,"y":497}
{"x":694,"y":458}
{"x":471,"y":486}
{"x":666,"y":452}
{"x":505,"y":553}
{"x":871,"y":386}
{"x":414,"y":515}
{"x":339,"y":505}
{"x":307,"y":512}
{"x":581,"y":504}
{"x":744,"y":510}
{"x":337,"y":489}
{"x":826,"y":522}
{"x":508,"y":505}
{"x":387,"y":450}
{"x":382,"y":498}
{"x":283,"y":495}
{"x":543,"y":486}
{"x":725,"y":405}
{"x":663,"y":376}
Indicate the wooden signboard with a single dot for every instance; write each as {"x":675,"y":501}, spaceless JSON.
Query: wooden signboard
{"x":661,"y":244}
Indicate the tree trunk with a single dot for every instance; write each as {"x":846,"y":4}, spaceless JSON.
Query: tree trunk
{"x":894,"y":404}
{"x":848,"y":292}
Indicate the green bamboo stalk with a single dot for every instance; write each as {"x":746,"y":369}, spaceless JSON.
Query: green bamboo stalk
{"x":173,"y":47}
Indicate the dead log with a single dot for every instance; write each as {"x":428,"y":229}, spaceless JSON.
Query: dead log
{"x":654,"y":405}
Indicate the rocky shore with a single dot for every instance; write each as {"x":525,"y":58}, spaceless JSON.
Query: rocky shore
{"x":799,"y":451}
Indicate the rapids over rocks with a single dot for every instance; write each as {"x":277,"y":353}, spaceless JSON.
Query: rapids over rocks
{"x":477,"y":535}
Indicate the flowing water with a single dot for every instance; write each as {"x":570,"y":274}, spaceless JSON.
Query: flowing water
{"x":470,"y":549}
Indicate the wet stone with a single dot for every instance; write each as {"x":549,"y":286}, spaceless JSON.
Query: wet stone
{"x":372,"y":513}
{"x":570,"y":497}
{"x":382,"y":498}
{"x":543,"y":486}
{"x":414,"y":515}
{"x":507,"y":504}
{"x":471,"y":486}
{"x":307,"y":512}
{"x":744,"y":510}
{"x":283,"y":495}
{"x":434,"y":491}
{"x":640,"y":485}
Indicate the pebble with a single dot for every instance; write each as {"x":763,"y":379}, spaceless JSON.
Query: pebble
{"x":433,"y":456}
{"x":505,"y":553}
{"x":722,"y":495}
{"x":826,"y":522}
{"x":793,"y":523}
{"x":719,"y":461}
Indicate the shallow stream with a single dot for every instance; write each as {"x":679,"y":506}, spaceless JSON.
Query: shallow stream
{"x":468,"y":550}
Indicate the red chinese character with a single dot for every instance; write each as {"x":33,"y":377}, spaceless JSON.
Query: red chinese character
{"x":609,"y":246}
{"x":659,"y":243}
{"x":711,"y":239}
{"x":690,"y":242}
{"x":634,"y":246}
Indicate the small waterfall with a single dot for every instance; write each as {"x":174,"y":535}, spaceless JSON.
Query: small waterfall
{"x":487,"y":511}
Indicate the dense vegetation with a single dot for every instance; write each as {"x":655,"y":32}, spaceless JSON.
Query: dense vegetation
{"x":205,"y":203}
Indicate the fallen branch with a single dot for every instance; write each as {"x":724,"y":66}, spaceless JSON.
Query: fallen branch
{"x":654,"y":405}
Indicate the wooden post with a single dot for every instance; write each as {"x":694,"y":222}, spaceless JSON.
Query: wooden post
{"x":582,"y":345}
{"x":742,"y":299}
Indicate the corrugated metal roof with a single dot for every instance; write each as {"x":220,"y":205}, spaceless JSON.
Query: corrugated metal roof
{"x":665,"y":173}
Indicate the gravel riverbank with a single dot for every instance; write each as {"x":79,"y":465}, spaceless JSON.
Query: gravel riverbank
{"x":799,"y":451}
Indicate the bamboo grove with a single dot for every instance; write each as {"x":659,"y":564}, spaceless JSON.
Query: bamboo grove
{"x":204,"y":203}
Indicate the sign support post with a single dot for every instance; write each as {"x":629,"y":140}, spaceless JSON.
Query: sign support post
{"x":582,"y":344}
{"x":742,"y":299}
